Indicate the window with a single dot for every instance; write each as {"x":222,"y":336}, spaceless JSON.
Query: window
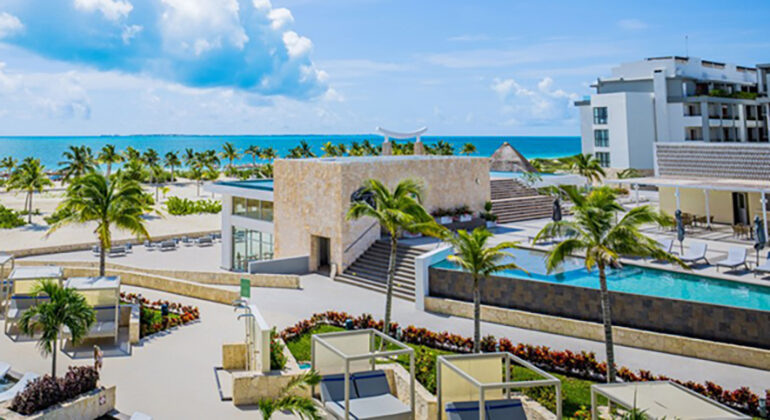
{"x":600,"y":115}
{"x":601,"y":138}
{"x":253,"y":209}
{"x":250,"y":245}
{"x":604,"y":159}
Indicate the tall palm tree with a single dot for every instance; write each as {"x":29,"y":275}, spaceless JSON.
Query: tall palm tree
{"x":587,"y":166}
{"x":356,"y":149}
{"x":255,"y":152}
{"x":78,"y":161}
{"x":468,"y":149}
{"x":474,"y":256}
{"x":29,"y":177}
{"x":151,"y":158}
{"x":305,"y":149}
{"x":188,"y":156}
{"x":370,"y":149}
{"x":132,"y":154}
{"x":395,"y":211}
{"x":109,"y":155}
{"x":172,"y":161}
{"x":268,"y":153}
{"x":444,"y":148}
{"x":118,"y":202}
{"x":9,"y":164}
{"x":64,"y":308}
{"x":602,"y":240}
{"x":230,"y":152}
{"x":329,"y":149}
{"x":287,"y":401}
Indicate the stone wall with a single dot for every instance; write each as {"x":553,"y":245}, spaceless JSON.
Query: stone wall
{"x":91,"y":405}
{"x":691,"y":319}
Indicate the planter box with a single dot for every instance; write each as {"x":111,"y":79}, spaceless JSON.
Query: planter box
{"x":445,"y":220}
{"x":90,"y":405}
{"x":466,"y":217}
{"x":491,"y":224}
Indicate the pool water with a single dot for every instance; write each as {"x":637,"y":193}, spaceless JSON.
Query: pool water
{"x":501,"y":174}
{"x":305,"y":365}
{"x":638,"y":280}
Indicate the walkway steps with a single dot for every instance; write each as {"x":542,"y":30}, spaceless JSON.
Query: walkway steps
{"x":370,"y":270}
{"x":513,"y":201}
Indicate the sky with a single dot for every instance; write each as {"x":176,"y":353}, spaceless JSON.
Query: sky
{"x":100,"y":67}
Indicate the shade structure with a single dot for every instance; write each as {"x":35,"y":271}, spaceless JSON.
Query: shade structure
{"x":662,"y":399}
{"x":103,"y":294}
{"x":556,"y":215}
{"x":507,"y":159}
{"x":20,"y":287}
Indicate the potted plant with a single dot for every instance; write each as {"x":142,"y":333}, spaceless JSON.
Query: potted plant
{"x":487,"y":215}
{"x":443,"y":216}
{"x":464,"y":214}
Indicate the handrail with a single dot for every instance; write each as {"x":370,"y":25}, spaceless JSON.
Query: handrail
{"x":360,"y":236}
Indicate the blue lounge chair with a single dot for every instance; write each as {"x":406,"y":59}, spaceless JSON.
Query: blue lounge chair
{"x":370,"y":397}
{"x":510,"y":409}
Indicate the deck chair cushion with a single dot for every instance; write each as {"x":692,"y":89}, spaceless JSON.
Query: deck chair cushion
{"x":381,"y":407}
{"x":370,"y":384}
{"x":509,"y":409}
{"x":333,"y":388}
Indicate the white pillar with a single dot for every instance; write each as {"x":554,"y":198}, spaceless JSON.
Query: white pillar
{"x":636,"y":191}
{"x":678,"y":201}
{"x":708,"y":210}
{"x":764,"y":211}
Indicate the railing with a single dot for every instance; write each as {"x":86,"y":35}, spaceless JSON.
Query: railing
{"x":360,"y":237}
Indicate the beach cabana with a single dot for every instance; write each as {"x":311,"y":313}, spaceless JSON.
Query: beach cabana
{"x":22,"y":282}
{"x":478,"y":386}
{"x":103,"y":294}
{"x":661,"y":399}
{"x":351,"y":386}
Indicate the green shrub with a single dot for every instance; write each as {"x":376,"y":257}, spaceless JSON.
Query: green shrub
{"x":277,"y":358}
{"x":10,"y":219}
{"x":182,"y":206}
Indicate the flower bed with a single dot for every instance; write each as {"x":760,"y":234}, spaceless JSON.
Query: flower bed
{"x":151,"y":319}
{"x":581,"y":365}
{"x":47,"y":391}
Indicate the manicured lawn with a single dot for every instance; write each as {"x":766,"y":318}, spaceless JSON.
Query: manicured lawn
{"x":575,"y":392}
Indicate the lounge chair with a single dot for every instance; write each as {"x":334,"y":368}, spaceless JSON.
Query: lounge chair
{"x":4,"y":368}
{"x":129,"y":247}
{"x":149,"y":246}
{"x":763,"y":268}
{"x":695,"y":253}
{"x":117,"y":251}
{"x":510,"y":409}
{"x":666,"y":244}
{"x":169,"y":245}
{"x":204,"y":241}
{"x":17,"y":387}
{"x":370,"y":397}
{"x":736,"y":256}
{"x":186,"y":241}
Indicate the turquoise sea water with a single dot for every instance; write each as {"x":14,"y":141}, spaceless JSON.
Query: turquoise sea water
{"x":640,"y":281}
{"x":49,"y":149}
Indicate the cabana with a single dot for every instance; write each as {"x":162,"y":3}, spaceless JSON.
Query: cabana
{"x":5,"y":285}
{"x":351,"y":387}
{"x":661,"y":399}
{"x":103,"y":294}
{"x":478,"y":386}
{"x":22,"y":282}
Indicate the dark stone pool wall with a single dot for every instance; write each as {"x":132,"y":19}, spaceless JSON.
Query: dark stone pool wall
{"x":670,"y":316}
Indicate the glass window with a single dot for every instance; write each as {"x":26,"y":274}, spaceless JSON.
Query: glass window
{"x":252,"y":209}
{"x":267,"y":211}
{"x":250,"y":245}
{"x":601,"y":138}
{"x":604,"y":159}
{"x":239,"y":206}
{"x":600,"y":115}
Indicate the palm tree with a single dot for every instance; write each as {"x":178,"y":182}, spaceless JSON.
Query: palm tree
{"x":254,"y":152}
{"x":64,"y":308}
{"x":305,"y":149}
{"x":629,"y":173}
{"x":109,"y":155}
{"x":117,"y":202}
{"x":188,"y":156}
{"x":29,"y":177}
{"x":268,"y":153}
{"x":132,"y":154}
{"x":370,"y":149}
{"x":468,"y":149}
{"x":78,"y":161}
{"x":395,"y":211}
{"x":151,"y":158}
{"x":586,"y":165}
{"x":442,"y":147}
{"x":356,"y":149}
{"x":8,"y":163}
{"x":294,"y":153}
{"x":172,"y":161}
{"x":303,"y":407}
{"x":329,"y":149}
{"x":474,"y":256}
{"x":597,"y":235}
{"x":230,"y":152}
{"x":266,"y":170}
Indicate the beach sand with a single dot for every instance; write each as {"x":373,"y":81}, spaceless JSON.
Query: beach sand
{"x":34,"y":235}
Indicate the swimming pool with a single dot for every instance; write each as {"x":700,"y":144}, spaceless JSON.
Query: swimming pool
{"x":638,"y":280}
{"x":501,"y":174}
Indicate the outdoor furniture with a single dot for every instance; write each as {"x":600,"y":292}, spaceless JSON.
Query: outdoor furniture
{"x":103,"y":294}
{"x":117,"y":251}
{"x":695,"y":253}
{"x":736,"y":256}
{"x":187,"y":241}
{"x":149,"y":245}
{"x":10,"y":393}
{"x":20,"y":297}
{"x":478,"y":386}
{"x":351,"y":388}
{"x":129,"y":247}
{"x":5,"y":285}
{"x":169,"y":245}
{"x":661,"y":399}
{"x":763,"y":268}
{"x":741,"y":230}
{"x":666,"y":244}
{"x":4,"y":369}
{"x":204,"y":241}
{"x":138,"y":415}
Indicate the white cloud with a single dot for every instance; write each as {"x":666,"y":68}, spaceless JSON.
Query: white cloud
{"x":129,"y":32}
{"x":56,"y":95}
{"x":111,"y":9}
{"x":280,"y":17}
{"x":262,"y":4}
{"x":543,"y":104}
{"x":296,"y":45}
{"x":9,"y":25}
{"x":469,"y":38}
{"x":632,"y":24}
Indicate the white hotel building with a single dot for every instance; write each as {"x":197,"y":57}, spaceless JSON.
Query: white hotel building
{"x":672,"y":100}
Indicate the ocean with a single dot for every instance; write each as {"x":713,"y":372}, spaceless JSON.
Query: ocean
{"x":49,"y":149}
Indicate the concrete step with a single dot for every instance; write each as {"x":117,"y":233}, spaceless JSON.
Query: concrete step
{"x":398,"y":291}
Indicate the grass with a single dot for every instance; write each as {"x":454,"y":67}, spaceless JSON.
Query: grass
{"x":575,"y":392}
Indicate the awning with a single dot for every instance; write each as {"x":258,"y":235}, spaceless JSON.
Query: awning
{"x":717,"y":184}
{"x":663,"y":399}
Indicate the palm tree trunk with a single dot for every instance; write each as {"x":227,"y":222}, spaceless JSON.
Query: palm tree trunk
{"x":109,"y":169}
{"x":391,"y":277}
{"x":102,"y":253}
{"x":607,"y":320}
{"x":29,"y":210}
{"x":173,"y":178}
{"x":476,"y":315}
{"x":198,"y":188}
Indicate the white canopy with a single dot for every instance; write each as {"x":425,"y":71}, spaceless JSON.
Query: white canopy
{"x":93,"y":283}
{"x":34,"y":273}
{"x":397,"y":135}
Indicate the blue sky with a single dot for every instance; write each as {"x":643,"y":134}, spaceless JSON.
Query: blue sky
{"x":89,"y":67}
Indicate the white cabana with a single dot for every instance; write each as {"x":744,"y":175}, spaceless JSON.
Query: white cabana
{"x":662,"y":399}
{"x":22,"y":282}
{"x":479,"y":386}
{"x":351,"y":387}
{"x":5,"y":285}
{"x":387,"y":149}
{"x":103,"y":294}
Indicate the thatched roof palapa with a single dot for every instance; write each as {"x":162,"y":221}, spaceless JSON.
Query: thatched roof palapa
{"x":507,"y":159}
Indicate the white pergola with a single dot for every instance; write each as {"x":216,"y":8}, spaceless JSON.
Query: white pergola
{"x":715,"y":184}
{"x":417,"y":134}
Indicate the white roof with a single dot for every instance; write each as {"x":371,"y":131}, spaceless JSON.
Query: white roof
{"x":4,"y":258}
{"x":32,"y":273}
{"x":718,"y":184}
{"x":93,"y":283}
{"x":666,"y":399}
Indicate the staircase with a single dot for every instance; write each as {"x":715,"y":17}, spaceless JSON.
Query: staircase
{"x":370,"y":270}
{"x":513,"y":201}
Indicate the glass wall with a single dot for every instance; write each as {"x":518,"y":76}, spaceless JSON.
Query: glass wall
{"x":250,"y":245}
{"x":253,"y":209}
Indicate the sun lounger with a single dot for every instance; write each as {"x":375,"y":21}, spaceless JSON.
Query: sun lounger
{"x":510,"y":409}
{"x":129,"y":247}
{"x":4,"y":368}
{"x":117,"y":251}
{"x":736,"y":256}
{"x":149,"y":246}
{"x":169,"y":245}
{"x":695,"y":253}
{"x":763,"y":268}
{"x":370,"y":397}
{"x":18,"y":387}
{"x":204,"y":241}
{"x":666,"y":244}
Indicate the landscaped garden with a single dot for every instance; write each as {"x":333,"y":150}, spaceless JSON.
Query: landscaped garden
{"x":156,"y":316}
{"x":577,"y":370}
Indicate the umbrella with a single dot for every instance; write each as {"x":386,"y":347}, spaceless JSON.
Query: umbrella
{"x":759,"y":236}
{"x":679,"y":230}
{"x":556,"y":215}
